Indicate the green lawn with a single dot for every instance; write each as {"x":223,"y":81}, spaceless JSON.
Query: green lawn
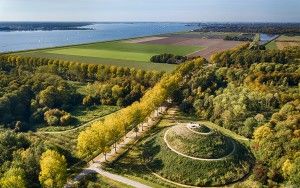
{"x":112,"y":54}
{"x":118,"y":53}
{"x":272,"y":45}
{"x":141,"y":48}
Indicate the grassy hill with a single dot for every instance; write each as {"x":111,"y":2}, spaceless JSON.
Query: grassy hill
{"x":211,"y":146}
{"x":183,"y":170}
{"x":153,"y":162}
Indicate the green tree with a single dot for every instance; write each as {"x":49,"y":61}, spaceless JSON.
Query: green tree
{"x":48,"y":97}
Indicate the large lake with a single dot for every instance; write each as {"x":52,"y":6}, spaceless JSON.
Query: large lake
{"x":25,"y":40}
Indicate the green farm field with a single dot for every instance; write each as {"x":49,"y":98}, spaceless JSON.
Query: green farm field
{"x":118,"y":53}
{"x":271,"y":45}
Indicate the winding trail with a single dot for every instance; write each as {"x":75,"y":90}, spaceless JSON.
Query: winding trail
{"x":116,"y":177}
{"x":175,"y":183}
{"x":198,"y":158}
{"x":204,"y":134}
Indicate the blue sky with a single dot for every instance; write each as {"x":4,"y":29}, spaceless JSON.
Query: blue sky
{"x":151,"y":10}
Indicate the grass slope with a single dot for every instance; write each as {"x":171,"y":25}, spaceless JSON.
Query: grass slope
{"x":176,"y":168}
{"x":187,"y":171}
{"x":227,"y":132}
{"x":202,"y":146}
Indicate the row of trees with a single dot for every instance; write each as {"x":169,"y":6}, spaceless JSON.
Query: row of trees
{"x":270,"y":28}
{"x":245,"y":37}
{"x":79,"y":71}
{"x":101,"y":135}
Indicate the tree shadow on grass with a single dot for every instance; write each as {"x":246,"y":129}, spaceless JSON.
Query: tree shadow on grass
{"x":150,"y":150}
{"x":138,"y":163}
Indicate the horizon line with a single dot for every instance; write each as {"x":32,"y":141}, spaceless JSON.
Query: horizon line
{"x":193,"y":22}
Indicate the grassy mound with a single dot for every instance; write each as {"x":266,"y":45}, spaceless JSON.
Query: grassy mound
{"x":201,"y":129}
{"x":151,"y":154}
{"x":180,"y":169}
{"x":211,"y":146}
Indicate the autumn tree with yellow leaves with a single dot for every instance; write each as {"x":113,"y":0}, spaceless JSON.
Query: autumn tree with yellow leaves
{"x":53,"y":172}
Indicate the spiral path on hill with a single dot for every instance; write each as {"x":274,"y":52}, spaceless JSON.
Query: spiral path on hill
{"x":197,"y":158}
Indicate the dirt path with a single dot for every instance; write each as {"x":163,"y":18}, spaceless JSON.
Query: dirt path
{"x":116,"y":177}
{"x":196,"y":132}
{"x":131,"y":138}
{"x":197,"y":158}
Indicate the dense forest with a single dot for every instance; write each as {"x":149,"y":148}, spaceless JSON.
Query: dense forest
{"x":35,"y":90}
{"x":49,"y":26}
{"x":254,"y":93}
{"x":269,"y":28}
{"x":241,"y":37}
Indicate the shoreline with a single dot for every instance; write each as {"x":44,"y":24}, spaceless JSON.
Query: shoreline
{"x":87,"y":43}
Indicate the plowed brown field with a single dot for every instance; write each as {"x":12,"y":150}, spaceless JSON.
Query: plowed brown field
{"x":211,"y":45}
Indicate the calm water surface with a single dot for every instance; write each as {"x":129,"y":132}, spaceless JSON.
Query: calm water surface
{"x":25,"y":40}
{"x":264,"y":38}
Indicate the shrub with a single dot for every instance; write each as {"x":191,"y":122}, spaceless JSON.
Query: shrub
{"x":66,"y":120}
{"x":52,"y":120}
{"x":57,"y":117}
{"x":87,"y":101}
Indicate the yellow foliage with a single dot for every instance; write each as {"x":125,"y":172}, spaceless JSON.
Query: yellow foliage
{"x":100,"y":135}
{"x":53,"y":172}
{"x":262,"y":132}
{"x":14,"y":178}
{"x":287,"y":167}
